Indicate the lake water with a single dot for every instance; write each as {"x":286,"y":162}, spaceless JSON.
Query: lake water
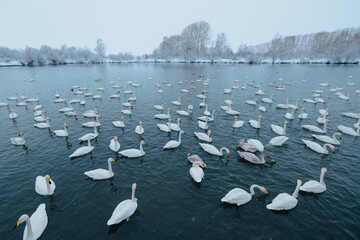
{"x":170,"y":204}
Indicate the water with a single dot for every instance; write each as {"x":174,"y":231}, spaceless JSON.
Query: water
{"x":170,"y":204}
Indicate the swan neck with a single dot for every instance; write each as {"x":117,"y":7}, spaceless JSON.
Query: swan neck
{"x":180,"y":137}
{"x":324,"y":126}
{"x":65,"y":129}
{"x":322,"y":178}
{"x":284,"y":131}
{"x":212,"y":116}
{"x":221,"y":150}
{"x":296,"y":192}
{"x":110,"y":167}
{"x":141,"y":148}
{"x":252,"y":192}
{"x":133,"y":195}
{"x":259,"y":122}
{"x":95,"y":130}
{"x":89,"y":143}
{"x":29,"y":234}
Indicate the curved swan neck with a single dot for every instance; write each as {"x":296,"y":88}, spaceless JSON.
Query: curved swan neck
{"x":325,"y":148}
{"x":65,"y":129}
{"x":296,"y":192}
{"x":252,"y":192}
{"x":222,"y":149}
{"x":336,"y":134}
{"x":322,"y":178}
{"x":180,"y":137}
{"x":141,"y":148}
{"x":29,"y":234}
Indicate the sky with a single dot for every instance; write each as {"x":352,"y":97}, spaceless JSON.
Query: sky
{"x":138,"y":26}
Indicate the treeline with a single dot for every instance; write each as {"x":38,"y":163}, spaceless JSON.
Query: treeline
{"x":194,"y":44}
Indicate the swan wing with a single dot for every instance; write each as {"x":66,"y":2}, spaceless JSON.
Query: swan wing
{"x":326,"y":139}
{"x":171,"y":144}
{"x":250,"y":157}
{"x":237,"y":196}
{"x":99,"y":174}
{"x":257,"y":144}
{"x":313,"y":186}
{"x":197,"y":174}
{"x":278,"y":141}
{"x":283,"y":201}
{"x":39,"y":221}
{"x":123,"y":211}
{"x":81,"y":151}
{"x":130,"y":153}
{"x":209,"y":149}
{"x":314,"y":146}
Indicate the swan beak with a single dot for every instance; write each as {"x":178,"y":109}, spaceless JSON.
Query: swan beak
{"x":144,"y":143}
{"x":114,"y":160}
{"x":228,"y":154}
{"x":333,"y":150}
{"x":18,"y":223}
{"x":266,"y":192}
{"x":340,"y":137}
{"x":49,"y":181}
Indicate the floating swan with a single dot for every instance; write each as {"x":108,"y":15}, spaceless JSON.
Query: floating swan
{"x":91,"y":135}
{"x":120,"y":123}
{"x":267,"y":100}
{"x":279,"y":130}
{"x":237,"y":124}
{"x":12,"y":114}
{"x":4,"y":104}
{"x":163,"y":116}
{"x":321,"y":119}
{"x":251,"y":102}
{"x":254,"y":123}
{"x":36,"y":224}
{"x":352,"y":115}
{"x":13,"y":98}
{"x":82,"y":102}
{"x":44,"y":185}
{"x":133,"y":153}
{"x":101,"y":174}
{"x":290,"y":116}
{"x":284,"y":201}
{"x":184,"y":113}
{"x":203,"y":125}
{"x":71,"y":113}
{"x":114,"y":144}
{"x":295,"y":106}
{"x":317,"y":148}
{"x":203,"y":136}
{"x":231,"y":111}
{"x":175,"y":126}
{"x":239,"y":196}
{"x":139,"y":128}
{"x":278,"y":141}
{"x":190,"y":106}
{"x":263,"y":109}
{"x":197,"y":172}
{"x":39,"y":118}
{"x":259,"y":146}
{"x":60,"y":100}
{"x":91,"y":113}
{"x":324,"y":112}
{"x":250,"y":157}
{"x":174,"y":143}
{"x":83,"y":150}
{"x":213,"y":150}
{"x":159,"y":107}
{"x":194,"y":158}
{"x":284,"y":106}
{"x":328,"y":139}
{"x":62,"y":133}
{"x":249,"y":147}
{"x":176,"y":103}
{"x":18,"y":140}
{"x":206,"y":112}
{"x":202,"y":104}
{"x":127,"y":111}
{"x":43,"y":124}
{"x":316,"y":129}
{"x":165,"y":127}
{"x":315,"y":186}
{"x":91,"y":123}
{"x":124,"y":210}
{"x":349,"y":130}
{"x":302,"y":114}
{"x":203,"y":118}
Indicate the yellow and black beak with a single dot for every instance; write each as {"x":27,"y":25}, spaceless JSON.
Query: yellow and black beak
{"x":333,"y":150}
{"x":49,"y":181}
{"x":18,"y":223}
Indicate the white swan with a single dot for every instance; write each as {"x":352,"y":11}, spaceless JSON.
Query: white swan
{"x":127,"y":111}
{"x":284,"y":201}
{"x":328,"y":139}
{"x":176,"y":103}
{"x":197,"y":172}
{"x":302,"y":114}
{"x":254,"y":123}
{"x":324,"y":111}
{"x":83,"y":150}
{"x":41,"y":118}
{"x":91,"y":135}
{"x":231,"y":111}
{"x":184,"y":113}
{"x":313,"y":186}
{"x":82,"y":102}
{"x":194,"y":158}
{"x":239,"y":196}
{"x":203,"y":118}
{"x":262,"y":108}
{"x":237,"y":124}
{"x":206,"y":112}
{"x":120,"y":123}
{"x":175,"y":126}
{"x":278,"y":141}
{"x":133,"y":98}
{"x":251,"y":102}
{"x":203,"y":125}
{"x":20,"y":140}
{"x":133,"y":153}
{"x":124,"y":210}
{"x":258,"y":145}
{"x":284,"y":106}
{"x":162,"y":115}
{"x":60,"y":100}
{"x":159,"y":107}
{"x":213,"y":150}
{"x":290,"y":116}
{"x":91,"y":113}
{"x":317,"y":148}
{"x":62,"y":133}
{"x":12,"y":114}
{"x":203,"y":136}
{"x":43,"y":124}
{"x":349,"y":130}
{"x":139,"y":128}
{"x":316,"y":129}
{"x":279,"y":130}
{"x":202,"y":104}
{"x":174,"y":143}
{"x":44,"y":185}
{"x":4,"y":104}
{"x":352,"y":115}
{"x":114,"y":144}
{"x":91,"y":123}
{"x":36,"y":224}
{"x":307,"y":100}
{"x":267,"y":100}
{"x":101,"y":174}
{"x":165,"y":127}
{"x":321,"y":119}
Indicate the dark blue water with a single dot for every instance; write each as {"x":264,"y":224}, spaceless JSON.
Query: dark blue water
{"x":170,"y":204}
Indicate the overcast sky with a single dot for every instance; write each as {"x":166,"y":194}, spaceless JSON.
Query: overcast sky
{"x":138,"y":26}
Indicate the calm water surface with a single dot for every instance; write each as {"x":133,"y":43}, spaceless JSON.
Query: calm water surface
{"x":170,"y":204}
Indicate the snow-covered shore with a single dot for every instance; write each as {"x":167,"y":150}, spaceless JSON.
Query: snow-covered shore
{"x":208,"y":61}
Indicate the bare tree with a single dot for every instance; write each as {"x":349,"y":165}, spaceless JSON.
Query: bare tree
{"x":100,"y":49}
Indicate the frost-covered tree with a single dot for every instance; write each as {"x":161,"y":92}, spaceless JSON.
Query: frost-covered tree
{"x":221,"y":47}
{"x":100,"y":49}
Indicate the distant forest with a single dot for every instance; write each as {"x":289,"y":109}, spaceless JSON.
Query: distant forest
{"x":195,"y":44}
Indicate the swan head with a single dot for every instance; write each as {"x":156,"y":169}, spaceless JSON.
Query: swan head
{"x":182,"y":131}
{"x":264,"y":190}
{"x":140,"y":123}
{"x":323,"y":170}
{"x":227,"y":152}
{"x":321,"y":115}
{"x":34,"y":109}
{"x":295,"y":109}
{"x":65,"y":125}
{"x":179,"y":119}
{"x":143,"y":142}
{"x":340,"y":136}
{"x":303,"y":109}
{"x":286,"y":122}
{"x":235,"y":117}
{"x":209,"y":133}
{"x":115,"y":138}
{"x":260,"y":117}
{"x":169,"y":109}
{"x":21,"y":220}
{"x":327,"y":121}
{"x":133,"y":186}
{"x":199,"y":163}
{"x":241,"y":141}
{"x":48,"y":179}
{"x":299,"y":182}
{"x":21,"y":133}
{"x":111,"y":160}
{"x":11,"y":110}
